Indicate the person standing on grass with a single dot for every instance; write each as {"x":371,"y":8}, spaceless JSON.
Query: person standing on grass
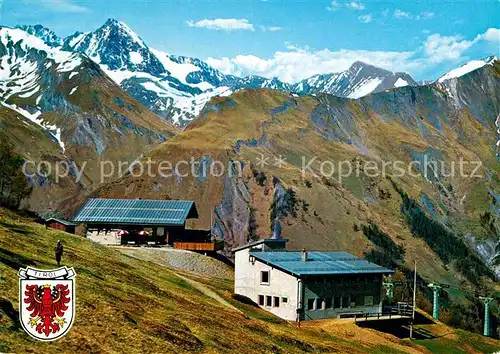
{"x":59,"y":252}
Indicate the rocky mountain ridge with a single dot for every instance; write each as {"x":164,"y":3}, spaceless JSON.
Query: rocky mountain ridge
{"x":177,"y":88}
{"x":443,"y":123}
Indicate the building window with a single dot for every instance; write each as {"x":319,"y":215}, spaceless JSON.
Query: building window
{"x":284,"y":300}
{"x":368,"y":301}
{"x":345,"y":302}
{"x":276,"y":301}
{"x":310,"y":304}
{"x":320,"y":304}
{"x":261,"y":300}
{"x":264,"y":277}
{"x":328,"y":303}
{"x":336,"y":302}
{"x":269,"y":301}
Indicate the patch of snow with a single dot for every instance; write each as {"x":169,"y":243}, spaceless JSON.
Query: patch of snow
{"x":225,"y":92}
{"x":195,"y":104}
{"x":204,"y":86}
{"x":185,"y":103}
{"x":179,"y":71}
{"x":21,"y":37}
{"x":73,"y":74}
{"x":466,"y":68}
{"x":497,"y":124}
{"x":31,"y":116}
{"x":163,"y":91}
{"x":450,"y":87}
{"x":119,"y":76}
{"x":400,"y":82}
{"x":66,"y":61}
{"x":57,"y":135}
{"x":365,"y":87}
{"x":73,"y":90}
{"x":136,"y":58}
{"x":17,"y":75}
{"x":77,"y":39}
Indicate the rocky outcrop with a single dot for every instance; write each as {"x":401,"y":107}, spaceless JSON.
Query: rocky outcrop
{"x":233,"y":214}
{"x":488,"y":250}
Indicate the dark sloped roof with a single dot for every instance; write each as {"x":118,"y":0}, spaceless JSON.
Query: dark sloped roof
{"x":319,"y":263}
{"x":258,"y":242}
{"x":136,"y":212}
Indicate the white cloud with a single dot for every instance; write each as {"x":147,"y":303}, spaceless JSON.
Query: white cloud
{"x":223,"y":24}
{"x":334,"y":5}
{"x":400,"y":14}
{"x":365,"y":18}
{"x":297,"y":63}
{"x":353,"y":5}
{"x":271,"y":28}
{"x":492,"y":35}
{"x":300,"y":63}
{"x":67,"y":6}
{"x":425,"y":15}
{"x":441,"y":48}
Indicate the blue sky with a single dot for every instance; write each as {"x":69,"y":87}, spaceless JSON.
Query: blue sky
{"x":289,"y":39}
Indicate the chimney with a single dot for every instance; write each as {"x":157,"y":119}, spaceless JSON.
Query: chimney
{"x":304,"y":255}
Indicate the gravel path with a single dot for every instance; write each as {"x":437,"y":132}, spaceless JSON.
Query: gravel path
{"x":208,"y":292}
{"x":182,"y":260}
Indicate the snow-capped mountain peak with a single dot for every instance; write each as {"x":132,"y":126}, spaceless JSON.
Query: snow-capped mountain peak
{"x":115,"y":45}
{"x":467,"y":68}
{"x":177,"y":87}
{"x":124,"y":29}
{"x":276,"y":84}
{"x":359,"y":80}
{"x":359,"y":66}
{"x":174,"y":87}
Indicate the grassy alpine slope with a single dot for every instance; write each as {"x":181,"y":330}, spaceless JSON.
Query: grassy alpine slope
{"x":134,"y":306}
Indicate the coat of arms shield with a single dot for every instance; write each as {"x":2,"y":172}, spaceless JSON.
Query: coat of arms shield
{"x":47,"y":302}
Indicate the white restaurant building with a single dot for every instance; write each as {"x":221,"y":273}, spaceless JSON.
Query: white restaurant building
{"x":304,"y":285}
